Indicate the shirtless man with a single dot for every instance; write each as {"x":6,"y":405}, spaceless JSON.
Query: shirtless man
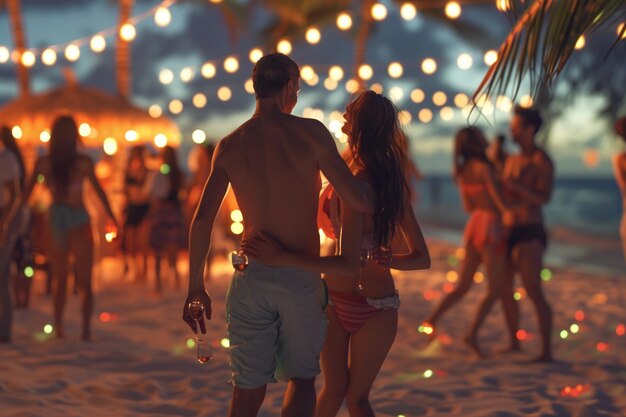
{"x":275,"y":315}
{"x":528,"y":179}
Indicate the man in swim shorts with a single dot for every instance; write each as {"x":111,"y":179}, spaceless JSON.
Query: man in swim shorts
{"x":528,"y":179}
{"x":276,"y":321}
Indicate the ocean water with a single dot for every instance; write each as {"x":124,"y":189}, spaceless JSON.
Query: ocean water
{"x":582,"y":217}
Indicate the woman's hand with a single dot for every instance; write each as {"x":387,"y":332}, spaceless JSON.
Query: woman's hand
{"x":264,"y":248}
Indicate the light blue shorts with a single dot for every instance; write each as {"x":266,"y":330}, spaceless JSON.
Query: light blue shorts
{"x":276,"y":324}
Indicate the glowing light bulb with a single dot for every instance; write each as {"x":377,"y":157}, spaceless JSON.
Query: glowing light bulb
{"x":404,"y":117}
{"x":4,"y":54}
{"x":109,"y":146}
{"x":313,"y":35}
{"x":395,"y":70}
{"x":208,"y":70}
{"x":446,"y":113}
{"x":255,"y":55}
{"x":49,"y":57}
{"x":439,"y":98}
{"x":408,"y":11}
{"x":396,"y":93}
{"x":155,"y":111}
{"x":175,"y":106}
{"x":330,"y":84}
{"x":461,"y":100}
{"x":491,"y":57}
{"x":187,"y":74}
{"x":160,"y":140}
{"x":335,"y":73}
{"x":44,"y":136}
{"x":162,"y":16}
{"x":352,"y":86}
{"x":307,"y":73}
{"x":429,"y":66}
{"x":284,"y":47}
{"x":453,"y":10}
{"x":365,"y":72}
{"x":98,"y":43}
{"x":236,"y":216}
{"x":72,"y":52}
{"x":425,"y":115}
{"x":379,"y":11}
{"x":224,"y":93}
{"x":84,"y":129}
{"x":131,"y":135}
{"x":465,"y":61}
{"x":166,"y":76}
{"x":231,"y":64}
{"x":128,"y":32}
{"x":198,"y":136}
{"x":199,"y":100}
{"x":503,"y":5}
{"x":16,"y":131}
{"x":417,"y":95}
{"x":28,"y":58}
{"x":344,"y":21}
{"x":580,"y":43}
{"x":249,"y":86}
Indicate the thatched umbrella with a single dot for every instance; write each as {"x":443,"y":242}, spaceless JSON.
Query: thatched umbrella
{"x":107,"y":115}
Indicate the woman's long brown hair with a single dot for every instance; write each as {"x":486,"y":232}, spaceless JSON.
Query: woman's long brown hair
{"x":63,"y":151}
{"x":378,"y":144}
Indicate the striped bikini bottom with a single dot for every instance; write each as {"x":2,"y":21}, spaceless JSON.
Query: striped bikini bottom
{"x":354,"y":310}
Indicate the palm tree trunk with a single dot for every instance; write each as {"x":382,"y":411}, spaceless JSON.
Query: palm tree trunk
{"x":19,"y":40}
{"x":362,"y":36}
{"x":122,"y":52}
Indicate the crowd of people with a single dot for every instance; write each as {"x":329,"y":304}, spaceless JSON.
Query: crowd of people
{"x":282,"y":318}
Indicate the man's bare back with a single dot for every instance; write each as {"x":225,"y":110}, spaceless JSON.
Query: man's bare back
{"x":271,"y":164}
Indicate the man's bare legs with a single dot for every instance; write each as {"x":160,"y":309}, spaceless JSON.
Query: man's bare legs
{"x":366,"y":359}
{"x":528,"y":261}
{"x":495,"y":263}
{"x":466,"y":278}
{"x":246,"y":402}
{"x":334,"y":367}
{"x":509,"y":306}
{"x":299,"y":400}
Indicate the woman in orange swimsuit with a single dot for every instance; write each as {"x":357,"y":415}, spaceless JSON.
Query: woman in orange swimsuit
{"x":484,"y":236}
{"x":363,"y":302}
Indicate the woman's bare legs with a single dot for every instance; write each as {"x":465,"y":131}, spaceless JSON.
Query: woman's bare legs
{"x":81,"y":246}
{"x":334,"y":366}
{"x":369,"y":347}
{"x":466,"y":278}
{"x":495,"y":264}
{"x":59,"y":266}
{"x":509,"y":305}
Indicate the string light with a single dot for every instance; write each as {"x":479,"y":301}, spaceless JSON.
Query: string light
{"x":379,"y":11}
{"x":429,"y":66}
{"x":330,"y":84}
{"x":365,"y":72}
{"x":109,"y":146}
{"x":417,"y":95}
{"x":186,"y":74}
{"x":98,"y":43}
{"x":160,"y":140}
{"x":396,"y":93}
{"x":162,"y":16}
{"x":208,"y":70}
{"x":408,"y":11}
{"x":131,"y":135}
{"x":446,"y":113}
{"x":453,"y":10}
{"x":313,"y":35}
{"x":352,"y":86}
{"x":377,"y":88}
{"x":404,"y":117}
{"x":44,"y":136}
{"x":425,"y":115}
{"x":198,"y":136}
{"x":580,"y":43}
{"x":175,"y":106}
{"x":72,"y":52}
{"x":395,"y":70}
{"x":255,"y":55}
{"x":464,"y":61}
{"x":335,"y":73}
{"x":28,"y":59}
{"x":128,"y":32}
{"x":4,"y":54}
{"x":503,"y":5}
{"x":236,"y":228}
{"x":49,"y":57}
{"x":440,"y":98}
{"x":344,"y":21}
{"x":231,"y":64}
{"x":491,"y":57}
{"x":307,"y":72}
{"x":224,"y":93}
{"x":16,"y":131}
{"x":249,"y":86}
{"x":284,"y":47}
{"x":620,"y":28}
{"x":199,"y":100}
{"x":84,"y":129}
{"x":155,"y":111}
{"x":526,"y":101}
{"x":166,"y":76}
{"x":461,"y":100}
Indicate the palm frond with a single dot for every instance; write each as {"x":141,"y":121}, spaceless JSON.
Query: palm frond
{"x":542,"y":40}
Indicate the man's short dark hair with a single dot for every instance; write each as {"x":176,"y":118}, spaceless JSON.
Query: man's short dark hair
{"x":272,"y":72}
{"x":530,"y":117}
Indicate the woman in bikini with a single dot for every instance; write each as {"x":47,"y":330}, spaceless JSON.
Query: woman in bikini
{"x":63,"y":170}
{"x":484,"y":236}
{"x":363,"y":302}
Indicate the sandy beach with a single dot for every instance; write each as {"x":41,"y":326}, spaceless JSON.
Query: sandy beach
{"x":139,"y":362}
